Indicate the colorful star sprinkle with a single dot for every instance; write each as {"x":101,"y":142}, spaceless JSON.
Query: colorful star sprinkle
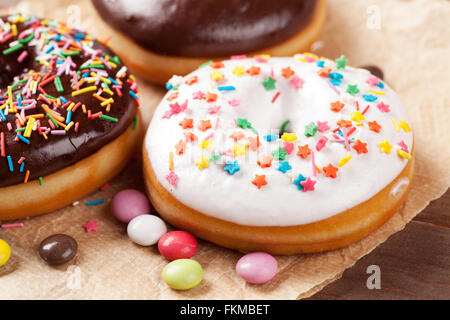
{"x":265,"y":161}
{"x":232,"y":167}
{"x":341,"y":62}
{"x":304,"y":151}
{"x":330,"y":171}
{"x":360,"y":147}
{"x":385,"y":147}
{"x":308,"y":185}
{"x":311,"y":129}
{"x":202,"y":162}
{"x":279,"y":154}
{"x":352,"y":89}
{"x":259,"y":181}
{"x":298,"y":181}
{"x":269,"y":83}
{"x":284,"y":166}
{"x":337,"y":106}
{"x":90,"y":226}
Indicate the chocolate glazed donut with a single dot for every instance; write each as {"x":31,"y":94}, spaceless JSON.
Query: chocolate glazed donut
{"x":43,"y":65}
{"x":207,"y":28}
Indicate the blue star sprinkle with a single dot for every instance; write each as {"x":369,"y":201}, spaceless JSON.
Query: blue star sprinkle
{"x":232,"y":167}
{"x":297,"y":181}
{"x":284,"y":166}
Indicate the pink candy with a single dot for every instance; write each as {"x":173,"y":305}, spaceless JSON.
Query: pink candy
{"x":257,"y":267}
{"x":128,"y":204}
{"x":177,"y":245}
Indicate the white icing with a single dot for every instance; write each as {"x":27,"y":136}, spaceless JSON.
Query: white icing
{"x":399,"y":188}
{"x":234,"y":198}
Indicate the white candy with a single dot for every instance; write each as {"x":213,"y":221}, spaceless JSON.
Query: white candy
{"x":146,"y":229}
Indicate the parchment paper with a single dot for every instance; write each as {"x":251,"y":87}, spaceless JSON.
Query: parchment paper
{"x":411,"y":46}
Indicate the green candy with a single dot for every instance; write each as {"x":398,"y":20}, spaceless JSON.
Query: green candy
{"x":311,"y":129}
{"x":182,"y":274}
{"x":279,"y":154}
{"x":352,"y":89}
{"x":269,"y":83}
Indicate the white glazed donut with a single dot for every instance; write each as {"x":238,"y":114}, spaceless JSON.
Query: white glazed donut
{"x":216,"y":163}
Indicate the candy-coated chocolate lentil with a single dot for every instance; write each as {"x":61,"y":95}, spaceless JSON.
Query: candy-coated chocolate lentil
{"x":5,"y":252}
{"x":177,"y":245}
{"x":257,"y":267}
{"x":182,"y":274}
{"x":58,"y":249}
{"x":128,"y":204}
{"x":146,"y":229}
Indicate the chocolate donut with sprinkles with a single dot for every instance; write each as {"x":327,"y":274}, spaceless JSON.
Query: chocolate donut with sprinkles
{"x":68,"y":115}
{"x":279,"y":154}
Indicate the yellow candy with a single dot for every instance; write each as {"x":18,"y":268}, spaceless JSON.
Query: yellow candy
{"x":404,"y":126}
{"x":403,"y":154}
{"x":385,"y":147}
{"x":239,"y":70}
{"x":205,"y":144}
{"x":397,"y":127}
{"x":5,"y":252}
{"x":357,"y":116}
{"x":239,"y":150}
{"x":202,"y":162}
{"x":344,"y":161}
{"x":288,"y":137}
{"x":182,"y":274}
{"x":216,"y":75}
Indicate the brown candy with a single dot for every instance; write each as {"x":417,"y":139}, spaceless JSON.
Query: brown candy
{"x":376,"y":71}
{"x":58,"y":249}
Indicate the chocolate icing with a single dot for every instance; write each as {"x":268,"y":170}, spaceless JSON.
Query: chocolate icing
{"x":43,"y":157}
{"x":207,"y":28}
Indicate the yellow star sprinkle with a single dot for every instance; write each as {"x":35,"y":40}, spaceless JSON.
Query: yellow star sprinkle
{"x":403,"y":154}
{"x":357,"y":116}
{"x":202,"y":162}
{"x":239,"y":70}
{"x":405,"y":126}
{"x":344,"y":161}
{"x":239,"y":150}
{"x":385,"y":147}
{"x":288,"y":137}
{"x":311,"y":55}
{"x":264,"y":56}
{"x":205,"y":144}
{"x":216,"y":75}
{"x":397,"y":127}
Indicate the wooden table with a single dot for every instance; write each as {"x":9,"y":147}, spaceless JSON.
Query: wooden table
{"x":414,"y":263}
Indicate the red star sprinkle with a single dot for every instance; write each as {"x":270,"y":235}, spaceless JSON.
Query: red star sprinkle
{"x":254,"y":143}
{"x":374,"y":126}
{"x":308,"y":185}
{"x":360,"y":147}
{"x":324,"y":72}
{"x":204,"y":125}
{"x":90,"y":226}
{"x":187,"y":123}
{"x":190,"y":81}
{"x":304,"y":151}
{"x":180,"y":147}
{"x":287,"y":72}
{"x":259,"y":181}
{"x":344,"y":123}
{"x":253,"y":71}
{"x":337,"y":106}
{"x":330,"y":171}
{"x":265,"y":161}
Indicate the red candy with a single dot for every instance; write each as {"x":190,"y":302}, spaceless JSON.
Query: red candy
{"x":177,"y":245}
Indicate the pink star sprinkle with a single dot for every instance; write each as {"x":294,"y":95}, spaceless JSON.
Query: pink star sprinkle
{"x":90,"y":226}
{"x":373,"y":81}
{"x":234,"y":103}
{"x":323,"y":126}
{"x":308,"y":185}
{"x":403,"y":146}
{"x":213,"y":109}
{"x":172,"y":178}
{"x":383,"y":107}
{"x":198,"y":95}
{"x":175,"y":108}
{"x":260,"y":59}
{"x":238,"y":57}
{"x":296,"y":82}
{"x":288,"y":146}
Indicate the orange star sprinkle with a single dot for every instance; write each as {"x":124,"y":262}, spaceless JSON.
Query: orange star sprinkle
{"x":374,"y":126}
{"x":337,"y":106}
{"x":360,"y":147}
{"x":180,"y":147}
{"x":324,"y":72}
{"x":253,"y":70}
{"x":191,"y":80}
{"x":304,"y":151}
{"x":204,"y":125}
{"x":236,"y":136}
{"x":187,"y":123}
{"x":172,"y":96}
{"x":210,"y":97}
{"x":190,"y":137}
{"x":330,"y":171}
{"x":216,"y":65}
{"x":344,"y":123}
{"x":287,"y":72}
{"x":254,"y":143}
{"x":265,"y":161}
{"x":259,"y":181}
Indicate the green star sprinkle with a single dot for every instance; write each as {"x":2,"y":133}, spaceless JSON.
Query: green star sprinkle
{"x":352,"y":89}
{"x":215,"y":157}
{"x":279,"y":154}
{"x":341,"y":62}
{"x":311,"y":129}
{"x":269,"y":84}
{"x":243,"y":123}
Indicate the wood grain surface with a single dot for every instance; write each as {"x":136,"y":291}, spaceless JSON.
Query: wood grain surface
{"x":414,"y":263}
